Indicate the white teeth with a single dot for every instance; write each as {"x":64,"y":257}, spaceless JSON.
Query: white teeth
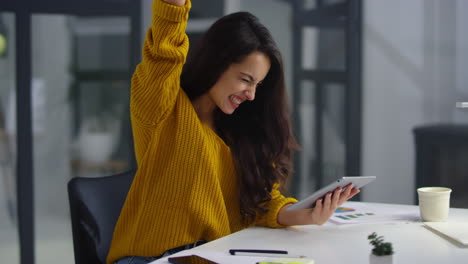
{"x":235,"y":99}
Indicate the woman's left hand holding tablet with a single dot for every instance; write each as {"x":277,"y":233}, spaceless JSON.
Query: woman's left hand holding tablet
{"x":326,"y":206}
{"x":323,"y":210}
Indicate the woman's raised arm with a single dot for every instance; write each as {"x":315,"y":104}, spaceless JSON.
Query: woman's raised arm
{"x":156,"y":81}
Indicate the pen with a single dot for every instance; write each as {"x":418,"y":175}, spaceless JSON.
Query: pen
{"x":261,"y":252}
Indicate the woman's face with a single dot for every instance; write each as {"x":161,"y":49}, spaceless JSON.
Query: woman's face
{"x":239,"y":82}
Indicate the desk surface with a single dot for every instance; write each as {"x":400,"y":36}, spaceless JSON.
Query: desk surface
{"x":347,"y":243}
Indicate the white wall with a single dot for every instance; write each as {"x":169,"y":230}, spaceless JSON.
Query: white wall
{"x":410,"y":79}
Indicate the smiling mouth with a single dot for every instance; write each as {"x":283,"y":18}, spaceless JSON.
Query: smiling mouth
{"x":235,"y":99}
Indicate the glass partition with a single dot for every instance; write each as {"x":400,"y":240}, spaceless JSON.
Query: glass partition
{"x":9,"y":242}
{"x":323,"y":49}
{"x":307,"y":130}
{"x":80,"y":97}
{"x":326,"y":90}
{"x":333,"y":131}
{"x":327,"y":117}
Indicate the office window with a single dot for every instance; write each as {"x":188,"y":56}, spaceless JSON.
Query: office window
{"x":333,"y":131}
{"x":326,"y":54}
{"x":80,"y":94}
{"x":9,"y":244}
{"x":327,"y":154}
{"x":323,"y":49}
{"x":307,"y":127}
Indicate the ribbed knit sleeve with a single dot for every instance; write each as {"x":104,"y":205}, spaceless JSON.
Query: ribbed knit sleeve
{"x":274,"y":205}
{"x":156,"y":81}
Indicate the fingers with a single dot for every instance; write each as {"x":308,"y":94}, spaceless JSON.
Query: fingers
{"x":346,"y":194}
{"x":320,"y":213}
{"x":351,"y":192}
{"x":318,"y":205}
{"x":326,"y":206}
{"x":337,"y":194}
{"x":328,"y":201}
{"x":354,"y":192}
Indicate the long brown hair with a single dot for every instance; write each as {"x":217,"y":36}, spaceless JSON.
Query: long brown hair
{"x":259,"y":132}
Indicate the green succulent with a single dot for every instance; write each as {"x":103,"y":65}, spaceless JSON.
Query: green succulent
{"x":381,"y":248}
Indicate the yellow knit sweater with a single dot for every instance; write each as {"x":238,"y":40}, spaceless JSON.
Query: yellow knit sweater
{"x":185,"y":188}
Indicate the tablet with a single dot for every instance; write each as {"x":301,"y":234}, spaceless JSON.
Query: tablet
{"x":309,"y":202}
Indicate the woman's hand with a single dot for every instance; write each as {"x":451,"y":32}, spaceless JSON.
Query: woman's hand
{"x":323,"y":210}
{"x":325,"y":207}
{"x":175,"y":2}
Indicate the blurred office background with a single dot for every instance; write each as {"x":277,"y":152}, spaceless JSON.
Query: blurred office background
{"x":407,"y":62}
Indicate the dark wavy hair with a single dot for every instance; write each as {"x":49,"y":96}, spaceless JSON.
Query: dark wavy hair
{"x":258,"y":132}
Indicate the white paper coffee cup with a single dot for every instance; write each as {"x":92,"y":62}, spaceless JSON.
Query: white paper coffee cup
{"x":434,"y":203}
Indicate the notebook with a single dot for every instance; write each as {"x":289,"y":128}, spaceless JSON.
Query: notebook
{"x":457,"y":231}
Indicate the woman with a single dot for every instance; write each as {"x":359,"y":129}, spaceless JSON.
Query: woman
{"x":212,"y":138}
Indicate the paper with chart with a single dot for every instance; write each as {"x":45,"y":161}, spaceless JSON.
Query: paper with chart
{"x":356,"y":213}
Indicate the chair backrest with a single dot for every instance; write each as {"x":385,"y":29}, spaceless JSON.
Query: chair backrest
{"x":95,"y":205}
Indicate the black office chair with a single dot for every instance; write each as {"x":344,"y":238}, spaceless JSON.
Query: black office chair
{"x":95,"y":205}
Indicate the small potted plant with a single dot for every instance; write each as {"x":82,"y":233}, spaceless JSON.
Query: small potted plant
{"x":382,"y":253}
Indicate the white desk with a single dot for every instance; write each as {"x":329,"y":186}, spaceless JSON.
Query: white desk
{"x":330,"y":243}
